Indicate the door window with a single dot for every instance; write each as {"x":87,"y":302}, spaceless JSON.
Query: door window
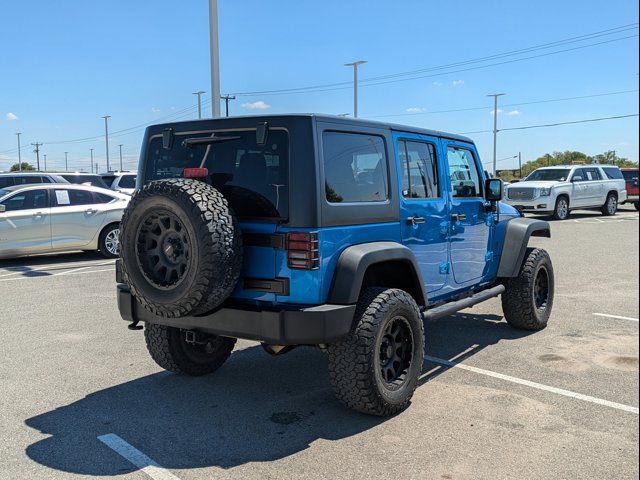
{"x":355,"y":167}
{"x":28,"y":200}
{"x":28,"y":179}
{"x":127,"y":181}
{"x":64,"y":198}
{"x":465,"y":177}
{"x":6,"y":182}
{"x":591,"y":174}
{"x":419,"y":170}
{"x":579,"y":173}
{"x":103,"y":198}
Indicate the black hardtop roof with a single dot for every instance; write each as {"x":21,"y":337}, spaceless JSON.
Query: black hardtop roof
{"x":319,"y":117}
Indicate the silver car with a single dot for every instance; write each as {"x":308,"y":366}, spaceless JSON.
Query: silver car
{"x":46,"y":218}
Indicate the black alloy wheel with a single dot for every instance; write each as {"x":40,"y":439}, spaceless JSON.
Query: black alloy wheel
{"x":395,"y":352}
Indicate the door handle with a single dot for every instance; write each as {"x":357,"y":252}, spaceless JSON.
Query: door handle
{"x":38,"y":214}
{"x":415,"y":220}
{"x":458,"y":217}
{"x":90,"y":211}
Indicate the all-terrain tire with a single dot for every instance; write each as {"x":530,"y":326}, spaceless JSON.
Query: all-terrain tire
{"x":637,"y":205}
{"x":561,"y":210}
{"x":108,"y":241}
{"x":524,"y":304}
{"x":610,"y":207}
{"x":169,"y":349}
{"x":209,"y":241}
{"x":355,"y":362}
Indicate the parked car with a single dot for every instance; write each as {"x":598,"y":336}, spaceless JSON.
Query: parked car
{"x":633,"y":192}
{"x":559,"y":190}
{"x":318,"y":230}
{"x":123,"y":182}
{"x":80,"y":178}
{"x":25,"y":178}
{"x":57,"y":218}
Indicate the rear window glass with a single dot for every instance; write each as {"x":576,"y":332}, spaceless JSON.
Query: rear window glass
{"x":613,"y":173}
{"x":355,"y":167}
{"x":6,"y":182}
{"x":254,"y":178}
{"x":629,"y":175}
{"x":127,"y":181}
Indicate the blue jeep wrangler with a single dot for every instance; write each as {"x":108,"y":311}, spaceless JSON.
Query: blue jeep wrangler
{"x":318,"y":230}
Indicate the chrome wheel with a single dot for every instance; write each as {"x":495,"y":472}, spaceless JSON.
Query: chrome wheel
{"x":612,"y":205}
{"x":112,"y":242}
{"x":562,"y":209}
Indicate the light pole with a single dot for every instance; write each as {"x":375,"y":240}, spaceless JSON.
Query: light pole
{"x":19,"y":154}
{"x":66,"y":161}
{"x":45,"y":162}
{"x":199,"y":94}
{"x":91,"y":151}
{"x":355,"y":84}
{"x":106,"y":137}
{"x":214,"y":52}
{"x":120,"y":146}
{"x":495,"y":127}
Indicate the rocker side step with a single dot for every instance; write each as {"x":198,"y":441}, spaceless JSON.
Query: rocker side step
{"x":453,"y":307}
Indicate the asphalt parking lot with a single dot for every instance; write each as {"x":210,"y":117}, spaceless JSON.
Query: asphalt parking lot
{"x":82,"y":398}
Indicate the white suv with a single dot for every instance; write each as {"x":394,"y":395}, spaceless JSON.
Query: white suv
{"x":560,"y":189}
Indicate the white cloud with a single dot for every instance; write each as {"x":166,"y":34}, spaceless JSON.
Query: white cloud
{"x":12,"y":116}
{"x":438,"y":84}
{"x":499,"y":112}
{"x":455,"y":83}
{"x":514,"y":113}
{"x":259,"y":105}
{"x":416,"y":110}
{"x":155,"y":109}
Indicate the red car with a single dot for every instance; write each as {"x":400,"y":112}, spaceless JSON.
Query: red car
{"x":631,"y":180}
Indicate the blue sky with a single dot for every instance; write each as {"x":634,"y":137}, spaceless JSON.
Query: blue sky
{"x":65,"y":64}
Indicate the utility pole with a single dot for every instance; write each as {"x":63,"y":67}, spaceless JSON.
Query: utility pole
{"x":355,"y":84}
{"x":613,"y":160}
{"x":91,"y":151}
{"x":214,"y":52}
{"x":45,"y":162}
{"x":66,"y":161}
{"x":120,"y":156}
{"x":97,"y":167}
{"x":548,"y":160}
{"x":199,"y":94}
{"x":106,"y":137}
{"x":226,"y":99}
{"x":520,"y":163}
{"x":37,"y":152}
{"x":19,"y":154}
{"x":495,"y":128}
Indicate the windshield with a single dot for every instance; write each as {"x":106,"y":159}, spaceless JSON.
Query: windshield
{"x":3,"y":192}
{"x":254,"y":178}
{"x":549,"y":175}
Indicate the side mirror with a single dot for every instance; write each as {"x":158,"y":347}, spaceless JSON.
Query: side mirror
{"x":576,"y":178}
{"x":493,"y":189}
{"x":3,"y":208}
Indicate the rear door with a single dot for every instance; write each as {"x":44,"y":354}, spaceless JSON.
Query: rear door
{"x":76,"y":218}
{"x":25,"y":225}
{"x":471,"y":224}
{"x":424,"y":207}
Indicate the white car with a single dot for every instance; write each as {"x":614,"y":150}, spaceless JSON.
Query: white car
{"x":123,"y":182}
{"x":46,"y":218}
{"x":560,"y":189}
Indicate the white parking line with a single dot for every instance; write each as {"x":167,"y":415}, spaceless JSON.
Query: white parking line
{"x":615,"y":316}
{"x":57,"y":275}
{"x":539,"y":386}
{"x":135,"y":456}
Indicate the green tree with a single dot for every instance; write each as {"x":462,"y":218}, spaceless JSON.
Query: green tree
{"x":25,"y":166}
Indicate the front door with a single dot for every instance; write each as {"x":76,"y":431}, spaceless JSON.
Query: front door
{"x":25,"y":224}
{"x":471,"y":224}
{"x":424,"y":210}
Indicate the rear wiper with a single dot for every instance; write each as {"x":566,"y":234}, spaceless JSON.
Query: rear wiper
{"x":192,"y":142}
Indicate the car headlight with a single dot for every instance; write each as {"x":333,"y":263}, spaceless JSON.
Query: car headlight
{"x":545,"y":191}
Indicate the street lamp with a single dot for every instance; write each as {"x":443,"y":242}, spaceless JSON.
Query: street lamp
{"x":355,"y":84}
{"x":19,"y":154}
{"x":495,"y":127}
{"x":214,"y":52}
{"x":199,"y":94}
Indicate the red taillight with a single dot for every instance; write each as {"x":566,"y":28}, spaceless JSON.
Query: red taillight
{"x":195,"y":173}
{"x":302,"y":250}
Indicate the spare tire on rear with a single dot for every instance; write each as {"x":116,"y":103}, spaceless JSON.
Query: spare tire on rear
{"x":181,"y":247}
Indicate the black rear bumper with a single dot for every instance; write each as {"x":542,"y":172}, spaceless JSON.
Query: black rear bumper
{"x":313,"y":325}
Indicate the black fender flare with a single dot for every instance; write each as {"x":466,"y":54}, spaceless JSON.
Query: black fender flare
{"x":516,"y":241}
{"x":356,"y":259}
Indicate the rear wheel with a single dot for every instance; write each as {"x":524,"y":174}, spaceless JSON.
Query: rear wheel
{"x":375,"y":369}
{"x":109,"y":241}
{"x":610,"y":207}
{"x":528,"y":299}
{"x":169,"y":348}
{"x":561,"y":212}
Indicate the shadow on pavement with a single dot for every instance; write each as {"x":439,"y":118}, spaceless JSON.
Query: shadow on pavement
{"x":37,"y":265}
{"x":254,"y":409}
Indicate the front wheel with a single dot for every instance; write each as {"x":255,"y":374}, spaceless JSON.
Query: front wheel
{"x":109,"y":241}
{"x":376,"y":368}
{"x":610,"y":207}
{"x":561,"y":212}
{"x":528,"y":299}
{"x":201,"y":355}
